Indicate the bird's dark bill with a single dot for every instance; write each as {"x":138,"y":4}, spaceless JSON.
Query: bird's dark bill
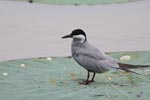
{"x":67,"y":36}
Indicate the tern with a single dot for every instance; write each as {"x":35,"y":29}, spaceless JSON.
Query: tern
{"x":92,"y":59}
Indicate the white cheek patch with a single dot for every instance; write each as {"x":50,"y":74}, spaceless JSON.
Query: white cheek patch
{"x":79,"y":37}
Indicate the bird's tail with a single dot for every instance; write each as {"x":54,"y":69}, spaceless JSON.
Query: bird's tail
{"x":126,"y":67}
{"x":130,"y":66}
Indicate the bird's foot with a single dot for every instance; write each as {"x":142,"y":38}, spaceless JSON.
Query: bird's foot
{"x":92,"y":80}
{"x":86,"y":82}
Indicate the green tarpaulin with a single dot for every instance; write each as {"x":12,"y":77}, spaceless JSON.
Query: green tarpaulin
{"x":57,"y":78}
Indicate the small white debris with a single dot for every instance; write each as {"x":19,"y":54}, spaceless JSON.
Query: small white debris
{"x":22,"y":65}
{"x":49,"y":58}
{"x":5,"y":74}
{"x":109,"y":78}
{"x":125,"y":58}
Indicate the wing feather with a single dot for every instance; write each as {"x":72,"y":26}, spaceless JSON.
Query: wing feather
{"x":92,"y":59}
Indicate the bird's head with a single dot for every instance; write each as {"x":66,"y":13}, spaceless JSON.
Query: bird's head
{"x":77,"y":34}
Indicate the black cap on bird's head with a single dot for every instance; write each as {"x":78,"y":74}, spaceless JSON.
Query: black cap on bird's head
{"x":77,"y":33}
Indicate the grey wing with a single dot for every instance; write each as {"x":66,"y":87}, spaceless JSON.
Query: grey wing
{"x":92,"y":59}
{"x":87,"y":50}
{"x":94,"y":53}
{"x":100,"y":57}
{"x":111,"y":64}
{"x":91,"y":63}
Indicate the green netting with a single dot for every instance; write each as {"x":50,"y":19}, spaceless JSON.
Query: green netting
{"x":57,"y":78}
